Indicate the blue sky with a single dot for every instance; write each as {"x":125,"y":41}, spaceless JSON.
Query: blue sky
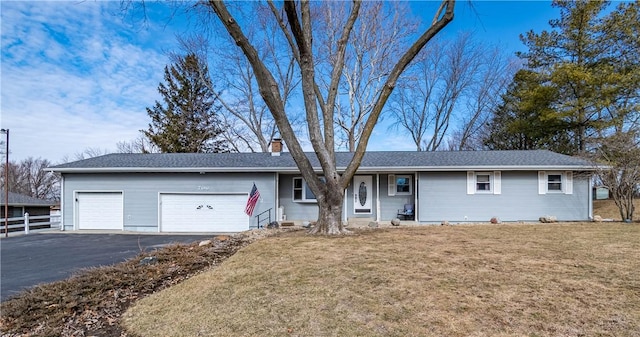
{"x":80,"y":74}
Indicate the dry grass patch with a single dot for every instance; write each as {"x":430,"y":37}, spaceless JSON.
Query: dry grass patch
{"x":91,"y":302}
{"x":482,"y":280}
{"x":607,"y":209}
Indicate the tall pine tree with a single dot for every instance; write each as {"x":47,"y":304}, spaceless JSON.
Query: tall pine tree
{"x":186,"y":120}
{"x":525,"y":120}
{"x":590,"y":60}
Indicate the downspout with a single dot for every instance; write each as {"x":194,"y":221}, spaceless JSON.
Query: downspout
{"x":416,"y":209}
{"x":590,"y":201}
{"x":61,"y":202}
{"x":378,"y":197}
{"x":277,"y":195}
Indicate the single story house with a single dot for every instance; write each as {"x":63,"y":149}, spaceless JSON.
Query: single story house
{"x":191,"y":192}
{"x":20,"y":204}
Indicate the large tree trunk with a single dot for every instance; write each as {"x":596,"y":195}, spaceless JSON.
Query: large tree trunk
{"x":330,"y":212}
{"x":298,"y":32}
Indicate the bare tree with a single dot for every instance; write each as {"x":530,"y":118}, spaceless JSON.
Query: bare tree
{"x":29,"y":177}
{"x":482,"y":98}
{"x":448,"y":76}
{"x":248,"y":124}
{"x":320,"y":107}
{"x":618,"y":168}
{"x":377,"y":37}
{"x":137,"y":145}
{"x":88,"y":152}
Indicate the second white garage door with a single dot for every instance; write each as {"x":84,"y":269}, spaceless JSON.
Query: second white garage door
{"x":203,"y":213}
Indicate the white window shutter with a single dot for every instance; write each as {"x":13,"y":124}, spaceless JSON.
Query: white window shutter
{"x":568,"y":183}
{"x":497,"y":182}
{"x":542,"y":182}
{"x":392,"y":185}
{"x":471,"y":182}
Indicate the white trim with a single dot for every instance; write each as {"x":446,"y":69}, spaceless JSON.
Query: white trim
{"x":566,"y":182}
{"x":415,"y":197}
{"x":344,"y":204}
{"x":61,"y":202}
{"x":378,"y":206}
{"x":542,"y":182}
{"x":471,"y":182}
{"x":287,"y":169}
{"x":497,"y":182}
{"x":567,"y":185}
{"x":391,"y":185}
{"x":304,"y":192}
{"x":590,"y":193}
{"x":277,"y":193}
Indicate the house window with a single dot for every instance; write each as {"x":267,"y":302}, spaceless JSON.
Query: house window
{"x":400,"y":185}
{"x":302,"y":192}
{"x":555,"y":182}
{"x":483,"y":182}
{"x":403,"y":184}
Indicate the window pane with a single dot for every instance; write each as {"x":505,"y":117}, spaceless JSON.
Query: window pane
{"x":297,"y":194}
{"x":483,"y":182}
{"x":554,"y":182}
{"x":297,"y":183}
{"x":403,"y":184}
{"x":308,"y":194}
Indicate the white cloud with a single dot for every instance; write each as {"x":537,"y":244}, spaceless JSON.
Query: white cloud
{"x":76,"y":76}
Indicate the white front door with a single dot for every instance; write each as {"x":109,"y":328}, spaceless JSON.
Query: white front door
{"x":362,"y":194}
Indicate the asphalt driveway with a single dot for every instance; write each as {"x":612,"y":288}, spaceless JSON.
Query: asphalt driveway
{"x":28,"y":260}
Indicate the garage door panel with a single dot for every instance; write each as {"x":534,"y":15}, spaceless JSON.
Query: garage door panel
{"x":100,"y":210}
{"x":203,"y":213}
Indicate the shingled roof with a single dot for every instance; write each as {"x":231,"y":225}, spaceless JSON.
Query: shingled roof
{"x":372,"y":161}
{"x":16,"y":199}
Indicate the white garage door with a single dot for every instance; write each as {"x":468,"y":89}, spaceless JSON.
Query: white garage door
{"x":99,"y":210}
{"x":203,"y":213}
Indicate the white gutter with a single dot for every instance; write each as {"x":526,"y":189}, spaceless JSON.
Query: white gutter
{"x":378,"y":197}
{"x":367,"y":169}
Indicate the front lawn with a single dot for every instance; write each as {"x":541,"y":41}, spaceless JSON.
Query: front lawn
{"x":472,"y":280}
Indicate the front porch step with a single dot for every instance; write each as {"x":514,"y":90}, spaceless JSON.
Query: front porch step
{"x":359,"y":222}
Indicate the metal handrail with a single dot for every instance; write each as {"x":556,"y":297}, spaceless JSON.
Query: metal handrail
{"x":268,"y":218}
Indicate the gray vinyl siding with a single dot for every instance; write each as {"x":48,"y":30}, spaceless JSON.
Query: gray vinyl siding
{"x":308,"y":211}
{"x":141,"y":192}
{"x":389,"y":205}
{"x":295,"y":210}
{"x":443,"y":196}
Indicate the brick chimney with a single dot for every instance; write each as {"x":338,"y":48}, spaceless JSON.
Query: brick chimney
{"x":276,"y":146}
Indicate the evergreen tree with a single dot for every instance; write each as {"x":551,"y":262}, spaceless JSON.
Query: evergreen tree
{"x":590,"y":62}
{"x":186,"y":120}
{"x":525,"y":120}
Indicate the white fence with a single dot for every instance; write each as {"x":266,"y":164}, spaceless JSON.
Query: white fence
{"x":26,"y":223}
